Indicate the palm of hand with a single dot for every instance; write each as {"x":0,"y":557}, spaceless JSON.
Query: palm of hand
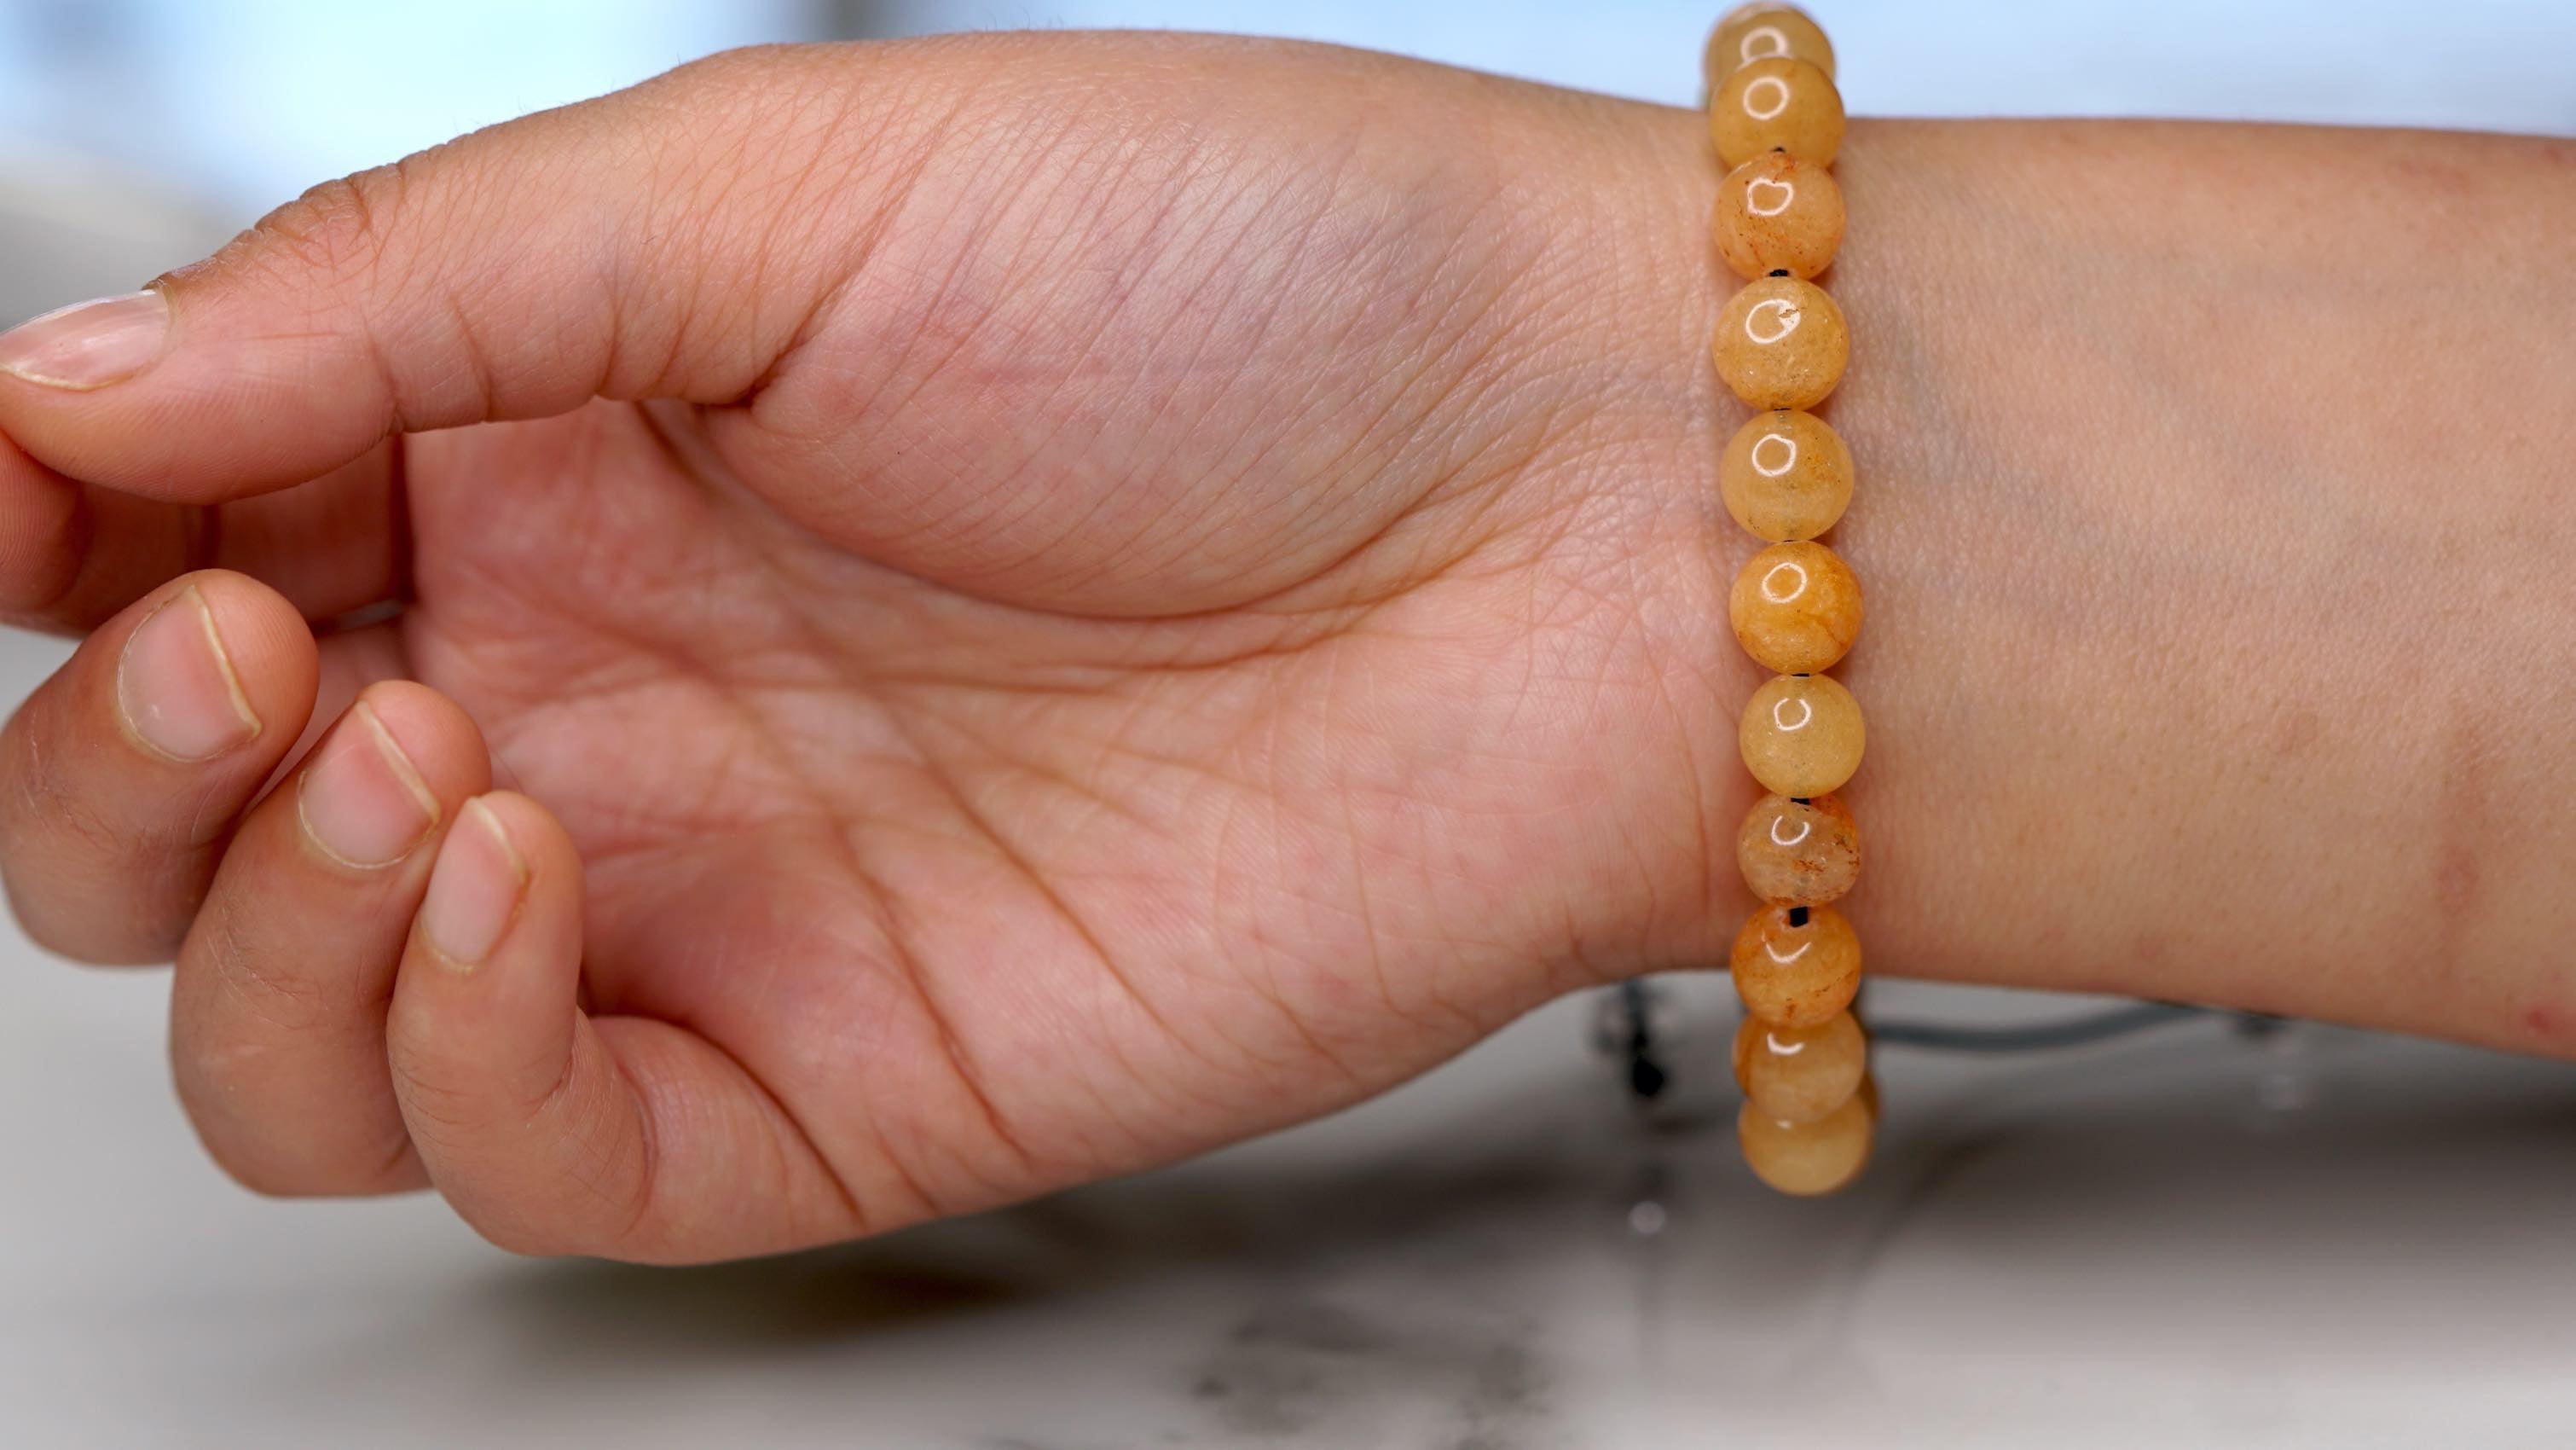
{"x":999,"y":896}
{"x":1145,"y":636}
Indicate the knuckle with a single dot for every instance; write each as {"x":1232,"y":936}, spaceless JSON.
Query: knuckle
{"x":442,"y":1113}
{"x":277,"y":1170}
{"x":517,"y":1234}
{"x":541,"y":1204}
{"x":53,"y":838}
{"x":276,"y":1005}
{"x":240,"y":1156}
{"x":339,"y":228}
{"x":745,"y":68}
{"x":277,"y":1141}
{"x":38,"y":798}
{"x":254,"y":1172}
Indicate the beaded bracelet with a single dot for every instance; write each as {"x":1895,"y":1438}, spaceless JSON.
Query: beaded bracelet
{"x":1809,"y":1106}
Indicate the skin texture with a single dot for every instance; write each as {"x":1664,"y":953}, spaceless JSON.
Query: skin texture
{"x":1131,"y":601}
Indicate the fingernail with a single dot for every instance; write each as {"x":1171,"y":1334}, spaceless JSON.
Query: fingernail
{"x":175,"y":686}
{"x":361,"y":801}
{"x":89,"y":345}
{"x":476,"y":889}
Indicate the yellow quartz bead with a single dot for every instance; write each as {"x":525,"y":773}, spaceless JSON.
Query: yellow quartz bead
{"x":1801,"y":735}
{"x":1796,"y":965}
{"x":1795,"y":608}
{"x":1778,"y":103}
{"x":1785,"y":475}
{"x":1801,"y":852}
{"x":1781,"y":343}
{"x":1800,"y":1074}
{"x":1778,"y":213}
{"x":1809,"y":1158}
{"x":1759,"y":31}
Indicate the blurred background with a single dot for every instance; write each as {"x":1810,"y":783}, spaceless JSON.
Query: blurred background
{"x":2203,"y":1233}
{"x":208,"y":112}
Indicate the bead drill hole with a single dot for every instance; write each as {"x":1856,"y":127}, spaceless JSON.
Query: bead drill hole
{"x":1797,"y":916}
{"x":1779,"y":272}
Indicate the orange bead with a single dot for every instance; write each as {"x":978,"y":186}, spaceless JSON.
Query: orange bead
{"x":1801,"y":852}
{"x":1796,"y":965}
{"x":1785,"y":475}
{"x":1778,"y":213}
{"x":1801,"y":735}
{"x":1781,"y":343}
{"x":1800,"y":1074}
{"x":1795,"y":608}
{"x":1776,"y":103}
{"x":1759,"y":31}
{"x":1807,"y":1159}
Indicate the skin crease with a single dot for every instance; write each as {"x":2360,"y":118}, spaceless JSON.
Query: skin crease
{"x":1161,"y":586}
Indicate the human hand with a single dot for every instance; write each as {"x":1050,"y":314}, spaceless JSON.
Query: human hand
{"x":1143,"y":589}
{"x":1105,"y":623}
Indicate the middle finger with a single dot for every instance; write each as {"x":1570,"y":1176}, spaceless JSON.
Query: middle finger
{"x":277,"y":1015}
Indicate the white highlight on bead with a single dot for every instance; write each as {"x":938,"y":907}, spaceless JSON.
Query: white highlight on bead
{"x":1806,"y":712}
{"x":1805,"y":829}
{"x":1772,"y":86}
{"x":1782,"y":1049}
{"x":1754,"y":455}
{"x":1754,"y":189}
{"x":1772,"y":950}
{"x":1772,"y":33}
{"x":1797,"y":583}
{"x":1784,"y":315}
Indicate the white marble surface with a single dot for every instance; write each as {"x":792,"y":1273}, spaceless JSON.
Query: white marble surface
{"x":2182,"y":1238}
{"x":2178,"y":1239}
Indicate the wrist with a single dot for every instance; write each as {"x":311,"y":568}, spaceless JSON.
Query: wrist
{"x":2156,"y":561}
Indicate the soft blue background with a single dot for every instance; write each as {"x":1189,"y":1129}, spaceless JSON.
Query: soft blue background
{"x":241,"y":103}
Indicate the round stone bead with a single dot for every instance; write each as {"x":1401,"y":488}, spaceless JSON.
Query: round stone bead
{"x":1795,"y":607}
{"x":1800,"y":1074}
{"x":1759,"y":31}
{"x":1776,"y":103}
{"x":1785,"y":475}
{"x":1781,"y":343}
{"x":1801,"y":735}
{"x":1778,"y":213}
{"x":1804,"y":853}
{"x":1807,"y":1159}
{"x":1796,"y":966}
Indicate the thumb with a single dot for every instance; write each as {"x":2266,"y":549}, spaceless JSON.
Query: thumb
{"x":607,"y":248}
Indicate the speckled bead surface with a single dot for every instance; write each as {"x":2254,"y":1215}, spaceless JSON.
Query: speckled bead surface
{"x":1778,"y":213}
{"x":1801,"y":735}
{"x":1800,"y":1074}
{"x":1795,"y":608}
{"x":1807,"y":1159}
{"x":1781,"y":343}
{"x":1781,"y":346}
{"x":1780,"y":103}
{"x":1796,"y":965}
{"x":1759,"y":31}
{"x":1785,"y":475}
{"x":1804,"y":853}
